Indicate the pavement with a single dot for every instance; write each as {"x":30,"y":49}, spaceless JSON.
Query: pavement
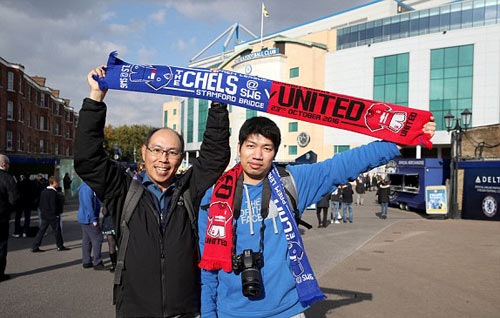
{"x":404,"y":266}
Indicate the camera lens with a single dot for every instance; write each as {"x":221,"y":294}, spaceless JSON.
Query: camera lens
{"x":251,"y":282}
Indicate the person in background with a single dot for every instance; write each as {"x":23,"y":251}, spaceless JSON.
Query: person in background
{"x":50,"y":210}
{"x":9,"y":197}
{"x":335,"y":208}
{"x":88,"y":216}
{"x":360,"y":191}
{"x":108,"y":229}
{"x":67,"y":186}
{"x":27,"y":191}
{"x":347,"y":202}
{"x":383,"y":197}
{"x":322,"y":205}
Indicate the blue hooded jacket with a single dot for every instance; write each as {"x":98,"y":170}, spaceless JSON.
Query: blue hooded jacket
{"x":90,"y":206}
{"x":221,"y":294}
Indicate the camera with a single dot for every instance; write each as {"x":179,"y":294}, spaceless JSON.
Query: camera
{"x":249,"y":264}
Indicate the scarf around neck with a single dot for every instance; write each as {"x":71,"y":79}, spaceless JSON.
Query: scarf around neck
{"x":219,"y":233}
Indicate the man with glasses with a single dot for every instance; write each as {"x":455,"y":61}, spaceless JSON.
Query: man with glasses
{"x":159,"y":276}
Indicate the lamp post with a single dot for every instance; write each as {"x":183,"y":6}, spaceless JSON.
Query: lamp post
{"x":457,"y":126}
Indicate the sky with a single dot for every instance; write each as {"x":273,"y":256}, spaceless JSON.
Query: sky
{"x":62,"y":40}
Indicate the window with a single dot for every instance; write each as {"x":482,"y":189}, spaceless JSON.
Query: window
{"x":293,"y":126}
{"x":390,"y":79}
{"x":19,"y":138}
{"x":292,"y":150}
{"x":68,"y":133}
{"x":29,"y":93}
{"x":58,"y":109}
{"x":175,"y":111}
{"x":42,"y":148}
{"x":10,"y":110}
{"x":251,"y":113}
{"x":10,"y":81}
{"x":29,"y":120}
{"x":190,"y":120}
{"x":42,"y":123}
{"x":20,"y":115}
{"x":340,"y":148}
{"x":175,"y":127}
{"x":20,"y":84}
{"x":42,"y":100}
{"x":57,"y":129}
{"x":165,"y":119}
{"x":56,"y":149}
{"x":202,"y":117}
{"x":68,"y":116}
{"x":9,"y":140}
{"x":294,"y":72}
{"x":451,"y":77}
{"x":182,"y":117}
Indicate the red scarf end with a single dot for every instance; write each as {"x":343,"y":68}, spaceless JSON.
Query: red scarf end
{"x":216,"y":264}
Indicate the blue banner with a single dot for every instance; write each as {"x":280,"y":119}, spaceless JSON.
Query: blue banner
{"x":481,"y":194}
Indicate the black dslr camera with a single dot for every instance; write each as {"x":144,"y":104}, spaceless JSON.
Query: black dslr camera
{"x":249,"y":264}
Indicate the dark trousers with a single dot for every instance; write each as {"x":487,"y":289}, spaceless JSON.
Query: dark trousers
{"x":27,"y":215}
{"x":4,"y":239}
{"x":55,"y":224}
{"x":318,"y":214}
{"x":91,"y":241}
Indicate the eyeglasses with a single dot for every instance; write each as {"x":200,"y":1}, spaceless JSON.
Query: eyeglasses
{"x":171,"y":153}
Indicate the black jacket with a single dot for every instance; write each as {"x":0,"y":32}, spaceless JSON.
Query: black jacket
{"x":324,"y":202}
{"x":383,"y":193}
{"x":160,"y":277}
{"x":347,"y":193}
{"x":9,"y":195}
{"x":51,"y":204}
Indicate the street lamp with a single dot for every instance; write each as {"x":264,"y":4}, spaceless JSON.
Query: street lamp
{"x":457,"y":130}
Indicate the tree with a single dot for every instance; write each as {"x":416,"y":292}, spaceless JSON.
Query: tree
{"x":126,"y":138}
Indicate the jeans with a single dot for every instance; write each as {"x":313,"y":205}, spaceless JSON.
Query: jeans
{"x":18,"y":229}
{"x":360,"y":198}
{"x":384,"y":206}
{"x":335,"y":210}
{"x":55,"y":224}
{"x":91,"y":241}
{"x":347,"y":206}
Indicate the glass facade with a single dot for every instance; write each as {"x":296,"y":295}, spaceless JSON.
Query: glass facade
{"x":451,"y":81}
{"x":190,"y":120}
{"x":452,"y":16}
{"x":340,"y":148}
{"x":250,"y":113}
{"x":293,"y":126}
{"x":292,"y":150}
{"x":202,"y":117}
{"x":390,"y":82}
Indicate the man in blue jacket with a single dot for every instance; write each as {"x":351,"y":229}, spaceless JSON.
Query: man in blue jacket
{"x":88,"y":216}
{"x":237,"y":218}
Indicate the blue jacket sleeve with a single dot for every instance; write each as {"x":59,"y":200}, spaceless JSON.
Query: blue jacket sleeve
{"x":209,"y":279}
{"x":313,"y":181}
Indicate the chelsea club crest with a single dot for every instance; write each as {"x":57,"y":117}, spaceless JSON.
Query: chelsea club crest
{"x":489,"y":206}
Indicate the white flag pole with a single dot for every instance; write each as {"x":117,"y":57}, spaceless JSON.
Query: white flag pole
{"x":261,"y":25}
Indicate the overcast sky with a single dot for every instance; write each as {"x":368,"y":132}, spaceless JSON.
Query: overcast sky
{"x":63,"y":39}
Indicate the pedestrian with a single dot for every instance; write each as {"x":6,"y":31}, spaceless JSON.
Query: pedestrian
{"x":158,"y":275}
{"x":108,"y":229}
{"x":67,"y":186}
{"x":9,"y":197}
{"x":27,"y":191}
{"x":383,"y":197}
{"x":40,"y":185}
{"x":335,"y":209}
{"x":373,"y":184}
{"x":50,"y":209}
{"x":347,"y":202}
{"x":322,"y":205}
{"x":360,"y":191}
{"x":256,"y":266}
{"x":88,"y":217}
{"x":367,"y":181}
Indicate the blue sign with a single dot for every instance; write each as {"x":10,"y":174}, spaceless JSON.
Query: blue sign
{"x":481,"y":191}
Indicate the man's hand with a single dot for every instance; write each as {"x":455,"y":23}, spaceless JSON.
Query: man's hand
{"x":95,"y":92}
{"x":94,"y":223}
{"x":429,"y":128}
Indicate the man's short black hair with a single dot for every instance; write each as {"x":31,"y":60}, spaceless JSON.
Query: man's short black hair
{"x":152,"y":132}
{"x":261,"y":126}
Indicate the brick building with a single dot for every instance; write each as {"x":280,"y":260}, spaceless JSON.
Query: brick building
{"x":37,"y":126}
